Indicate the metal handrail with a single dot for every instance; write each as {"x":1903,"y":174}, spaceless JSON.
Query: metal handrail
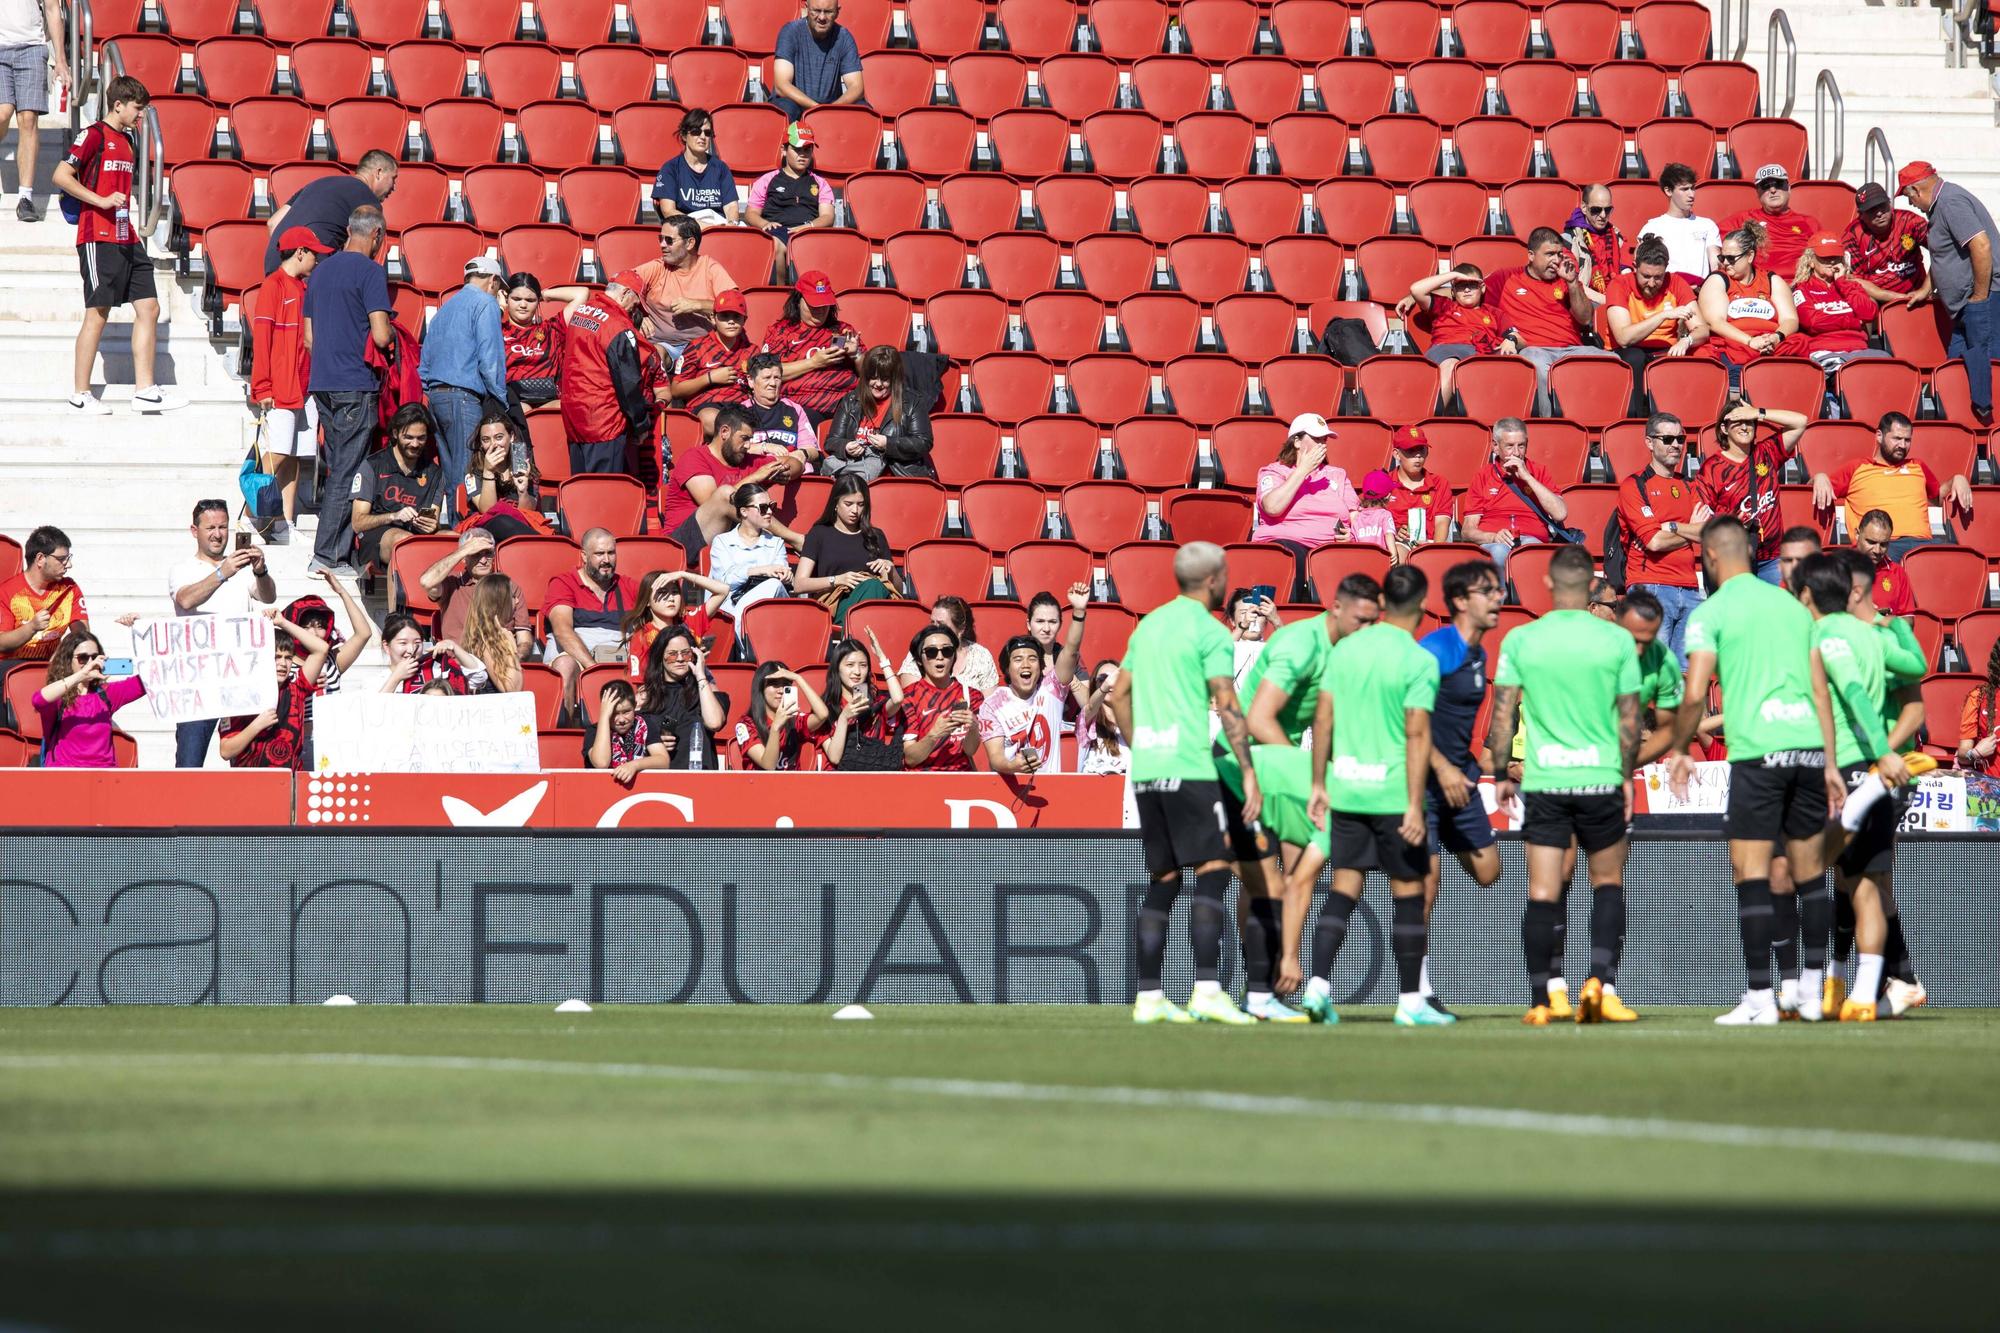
{"x":1957,"y":19}
{"x":1826,"y":90}
{"x":82,"y":42}
{"x":1780,"y":26}
{"x":1739,"y":12}
{"x":1877,"y":144}
{"x":149,"y":165}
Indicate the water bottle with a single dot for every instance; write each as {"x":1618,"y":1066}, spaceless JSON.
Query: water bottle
{"x":697,"y":742}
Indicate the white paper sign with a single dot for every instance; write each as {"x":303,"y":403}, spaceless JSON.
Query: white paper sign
{"x":199,"y":667}
{"x":1937,"y":805}
{"x":1708,"y":790}
{"x":425,"y":733}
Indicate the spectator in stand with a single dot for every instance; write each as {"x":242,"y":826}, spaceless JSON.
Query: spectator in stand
{"x":697,"y":505}
{"x":751,"y":559}
{"x":278,"y":737}
{"x":845,"y":560}
{"x":1962,"y":243}
{"x":710,"y":373}
{"x":586,"y":609}
{"x":1372,"y":523}
{"x":971,"y":665}
{"x":464,"y":366}
{"x":696,"y":183}
{"x":777,"y":422}
{"x":606,"y":409}
{"x":1418,"y":490}
{"x":1545,"y":308}
{"x":1979,"y":722}
{"x":347,"y":309}
{"x":787,"y":722}
{"x":1510,"y":501}
{"x":1651,"y":313}
{"x":863,"y":736}
{"x":1746,"y":306}
{"x":1834,"y":311}
{"x":1691,"y":242}
{"x":532,"y":345}
{"x":325,"y":205}
{"x":663,"y":604}
{"x":280,"y":368}
{"x":1794,"y":545}
{"x":502,"y":491}
{"x":679,"y":289}
{"x":97,"y":173}
{"x":415,"y":664}
{"x":1099,"y":747}
{"x":342,"y":652}
{"x":42,"y":602}
{"x":792,"y":196}
{"x":821,"y":354}
{"x":1251,"y":621}
{"x":1785,"y":230}
{"x":940,"y":711}
{"x":207,"y":584}
{"x":1021,"y":721}
{"x":26,"y":50}
{"x":490,"y":635}
{"x":76,"y":703}
{"x":1045,"y":624}
{"x":1662,"y":523}
{"x":1600,"y":248}
{"x":1894,"y":483}
{"x":1891,"y":586}
{"x":1741,"y":477}
{"x":1886,"y":247}
{"x":818,"y":62}
{"x":400,"y":491}
{"x":1461,"y":327}
{"x":878,"y":428}
{"x":684,"y":710}
{"x":623,"y":739}
{"x":1303,"y":501}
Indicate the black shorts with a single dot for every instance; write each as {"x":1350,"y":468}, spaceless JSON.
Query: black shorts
{"x":1185,"y":823}
{"x":1365,"y":842}
{"x":1871,"y":849}
{"x":1781,"y":796}
{"x":1465,"y":830}
{"x":115,"y":275}
{"x":1596,"y":820}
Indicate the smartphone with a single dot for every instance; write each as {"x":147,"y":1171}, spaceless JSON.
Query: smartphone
{"x":1265,"y":592}
{"x":118,"y":666}
{"x":518,"y":458}
{"x":243,"y":540}
{"x":429,"y":511}
{"x":790,"y":694}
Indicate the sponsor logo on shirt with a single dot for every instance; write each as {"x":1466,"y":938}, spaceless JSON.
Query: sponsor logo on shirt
{"x":1349,"y":769}
{"x":1777,"y":710}
{"x":1562,"y":756}
{"x":1156,"y":738}
{"x":1839,"y":648}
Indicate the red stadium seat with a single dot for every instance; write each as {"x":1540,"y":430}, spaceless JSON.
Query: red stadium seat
{"x":1583,"y":32}
{"x":1256,"y":328}
{"x":504,"y":196}
{"x":1002,"y":514}
{"x":1356,"y":206}
{"x":1674,"y":32}
{"x":1142,"y":574}
{"x":749,"y":133}
{"x":894,"y":623}
{"x":620,"y":248}
{"x":1793,"y":383}
{"x":1114,"y":265}
{"x":1206,"y":389}
{"x":1019,"y":264}
{"x":1209,"y":267}
{"x":1448,"y":91}
{"x":576,"y":24}
{"x":1631,"y":94}
{"x":1037,"y":27}
{"x":552,"y":253}
{"x":1490,"y":253}
{"x":709,"y":76}
{"x":533,"y":561}
{"x":191,"y":20}
{"x":1243,"y":445}
{"x":1459,"y":448}
{"x":979,"y":203}
{"x":945,"y":25}
{"x":1944,"y":703}
{"x":1397,"y":388}
{"x":233,"y":68}
{"x":331,"y":68}
{"x":907,"y":509}
{"x":849,"y":137}
{"x":951,"y":568}
{"x":1263,"y":208}
{"x":1434,"y":559}
{"x":21,"y":685}
{"x":1356,"y":89}
{"x":1389,"y":264}
{"x":1948,"y":581}
{"x":790,"y":629}
{"x":1832,"y":202}
{"x":1128,"y":29}
{"x":1222,"y":517}
{"x":1527,"y":571}
{"x":1046,"y":566}
{"x":1110,"y":386}
{"x":465,"y":131}
{"x":1871,"y":387}
{"x":1105,"y":636}
{"x":754,"y":24}
{"x":1252,"y":563}
{"x":383,"y":22}
{"x":1769,"y":140}
{"x":426,"y":71}
{"x":1169,"y":206}
{"x":1264,"y":87}
{"x":1063,"y":325}
{"x":1073,"y":206}
{"x":288,"y":25}
{"x":550,"y":444}
{"x":437,"y":253}
{"x":1828,"y":446}
{"x":885,"y":202}
{"x":1720,"y":92}
{"x":1059,"y":450}
{"x":615,"y":503}
{"x":1215,"y":144}
{"x":1303,"y":269}
{"x":271,"y":129}
{"x":1917,"y":336}
{"x":1219,"y":30}
{"x":1977,"y":634}
{"x":1930,"y":636}
{"x":1946,"y":449}
{"x":1158,"y":452}
{"x":209,"y":192}
{"x":1296,"y":384}
{"x":1721,"y":198}
{"x":187,"y":126}
{"x":837,"y":252}
{"x":1591,"y":508}
{"x":1403,"y":31}
{"x":1491,"y":387}
{"x":1327,"y":565}
{"x":881,"y":318}
{"x":1123,"y":145}
{"x":1012,"y":385}
{"x":1492,"y":32}
{"x":521,"y":73}
{"x":964,"y":449}
{"x":967,"y":324}
{"x":936,"y":140}
{"x":1102,"y":514}
{"x":1494,"y":149}
{"x":1451,"y":206}
{"x":422,"y":190}
{"x":1401,"y":148}
{"x":1562,"y":448}
{"x":925,"y":262}
{"x":1691,"y":388}
{"x":1677,"y":140}
{"x":600,"y":198}
{"x":1625,"y":449}
{"x":617,"y":76}
{"x":744,"y":253}
{"x":1305,"y":27}
{"x":1030,"y":142}
{"x":1586,"y":150}
{"x":1078,"y":84}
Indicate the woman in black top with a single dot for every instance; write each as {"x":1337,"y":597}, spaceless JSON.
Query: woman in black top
{"x":845,"y":560}
{"x":879,"y":427}
{"x":683,"y":708}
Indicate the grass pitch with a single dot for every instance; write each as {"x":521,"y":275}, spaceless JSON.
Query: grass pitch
{"x":688,"y":1168}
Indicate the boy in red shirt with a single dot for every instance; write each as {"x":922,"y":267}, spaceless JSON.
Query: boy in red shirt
{"x":1461,"y":327}
{"x":281,"y":367}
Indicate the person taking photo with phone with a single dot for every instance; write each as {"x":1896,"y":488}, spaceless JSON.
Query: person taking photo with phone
{"x":78,"y":699}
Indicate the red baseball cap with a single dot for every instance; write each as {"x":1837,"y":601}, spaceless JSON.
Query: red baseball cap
{"x":730,"y":303}
{"x":1913,"y":173}
{"x":630,"y":281}
{"x":301,"y":238}
{"x":1828,"y":246}
{"x":1408,"y":438}
{"x":816,"y":287}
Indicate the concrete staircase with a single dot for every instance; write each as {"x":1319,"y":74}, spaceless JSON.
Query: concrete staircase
{"x":1892,"y":64}
{"x":122,"y":486}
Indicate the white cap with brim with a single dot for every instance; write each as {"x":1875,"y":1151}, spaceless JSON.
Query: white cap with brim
{"x":1313,"y":424}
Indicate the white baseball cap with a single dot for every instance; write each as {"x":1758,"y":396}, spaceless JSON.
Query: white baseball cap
{"x":1313,"y":424}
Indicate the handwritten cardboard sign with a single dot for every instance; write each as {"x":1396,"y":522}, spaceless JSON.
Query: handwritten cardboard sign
{"x":425,"y":733}
{"x":199,"y":667}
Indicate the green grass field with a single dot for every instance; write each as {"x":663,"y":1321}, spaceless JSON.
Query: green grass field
{"x":502,"y":1168}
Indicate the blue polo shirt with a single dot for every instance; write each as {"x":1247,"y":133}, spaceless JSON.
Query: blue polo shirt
{"x":818,"y":69}
{"x":343,"y":290}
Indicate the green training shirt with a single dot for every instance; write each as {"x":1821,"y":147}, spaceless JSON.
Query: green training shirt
{"x":1292,"y":660}
{"x":1762,"y":641}
{"x":1902,"y":664}
{"x":1173,"y":653}
{"x":1375,"y":675}
{"x":1851,"y":652}
{"x":1660,"y":680}
{"x":1571,"y":669}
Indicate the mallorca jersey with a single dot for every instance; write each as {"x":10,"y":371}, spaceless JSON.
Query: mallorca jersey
{"x":1572,"y":669}
{"x":1762,"y":640}
{"x":102,"y":159}
{"x":1019,"y":724}
{"x":1174,"y":651}
{"x":1292,"y":660}
{"x":1376,"y":676}
{"x":1461,"y":691}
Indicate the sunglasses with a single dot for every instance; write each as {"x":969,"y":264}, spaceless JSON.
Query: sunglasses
{"x":766,"y":508}
{"x":81,"y":658}
{"x":678,"y":655}
{"x":1728,"y":258}
{"x":1769,"y":186}
{"x":705,"y":132}
{"x":938,"y":650}
{"x":1600,"y":212}
{"x":1669,"y":439}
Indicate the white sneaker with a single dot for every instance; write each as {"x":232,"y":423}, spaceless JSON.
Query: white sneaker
{"x":1271,"y":1009}
{"x":1750,"y":1013}
{"x":89,"y":405}
{"x":157,"y":399}
{"x":1808,"y":1008}
{"x":1901,"y":995}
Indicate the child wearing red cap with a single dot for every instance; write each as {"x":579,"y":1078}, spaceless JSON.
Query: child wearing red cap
{"x":709,"y":375}
{"x":280,"y":369}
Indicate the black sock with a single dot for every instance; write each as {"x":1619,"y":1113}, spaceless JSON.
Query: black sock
{"x":1205,"y":919}
{"x":1815,"y":919}
{"x":1785,"y":933}
{"x":1896,"y":958}
{"x":1410,"y":939}
{"x":1607,"y":931}
{"x":1562,"y":935}
{"x":1538,"y":946}
{"x":1263,"y":935}
{"x":1154,"y":909}
{"x":1753,"y":919}
{"x":1843,"y":927}
{"x":1329,"y":932}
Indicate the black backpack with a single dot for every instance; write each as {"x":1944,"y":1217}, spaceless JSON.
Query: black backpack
{"x":1616,"y":534}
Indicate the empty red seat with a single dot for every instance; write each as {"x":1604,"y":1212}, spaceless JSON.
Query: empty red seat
{"x":1123,"y":145}
{"x":1222,"y":517}
{"x":331,"y":68}
{"x":1303,"y":269}
{"x":1142,"y":574}
{"x":575,"y":24}
{"x":1401,"y":148}
{"x":1583,"y":32}
{"x":1944,"y":704}
{"x":1451,"y":206}
{"x":463,"y":131}
{"x":1037,"y":27}
{"x":1012,"y":385}
{"x":235,"y":253}
{"x":1215,"y":144}
{"x":552,"y":253}
{"x":744,"y":253}
{"x":1327,"y":565}
{"x":1591,"y":508}
{"x":1256,"y":328}
{"x":599,"y":198}
{"x":286,"y":25}
{"x":936,"y":140}
{"x":1356,"y":88}
{"x":1917,"y":336}
{"x":1389,"y":264}
{"x":882,"y":318}
{"x":271,"y":129}
{"x":1492,"y":32}
{"x":1159,"y":325}
{"x":1677,"y":140}
{"x":1447,"y":91}
{"x":1209,"y":267}
{"x":1101,"y":514}
{"x":1673,"y":32}
{"x":1063,"y":325}
{"x":1540,"y":92}
{"x":964,"y":448}
{"x":1402,"y":31}
{"x":382,"y":22}
{"x":1264,"y":87}
{"x":1243,"y":445}
{"x":1168,"y":206}
{"x":1948,"y":581}
{"x":1494,"y":149}
{"x":1356,"y":206}
{"x":1491,"y":387}
{"x":1944,"y":447}
{"x":518,"y":73}
{"x":1762,"y":140}
{"x":1058,"y":449}
{"x":192,"y":20}
{"x":1977,"y":634}
{"x":209,"y":192}
{"x":749,"y":134}
{"x":482,"y":23}
{"x":908,"y":510}
{"x":1720,"y":92}
{"x":789,"y":629}
{"x":1632,"y":93}
{"x":1019,"y":264}
{"x":1206,"y":389}
{"x":1073,"y":206}
{"x":1397,"y":388}
{"x":837,"y":252}
{"x":1219,"y":29}
{"x":1296,"y":384}
{"x":1692,"y":388}
{"x":1490,"y":253}
{"x":1078,"y":84}
{"x":1109,"y":386}
{"x":1115,"y":265}
{"x":950,"y":568}
{"x":616,"y":504}
{"x":420,"y":195}
{"x":925,"y":263}
{"x":233,"y":68}
{"x":1793,"y":383}
{"x":885,"y":202}
{"x":437,"y":252}
{"x":1170,"y":87}
{"x":1157,"y":452}
{"x":504,"y":196}
{"x":621,"y":248}
{"x":1002,"y":514}
{"x":967,"y":324}
{"x":1309,"y":146}
{"x":1586,"y":149}
{"x":709,"y":76}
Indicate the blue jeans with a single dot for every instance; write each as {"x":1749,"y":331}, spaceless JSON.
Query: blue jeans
{"x":1902,"y":546}
{"x":1972,"y":339}
{"x":347,"y":429}
{"x":1498,"y":552}
{"x":1767,"y":570}
{"x":1679,"y":604}
{"x":191,"y":742}
{"x":457,"y":411}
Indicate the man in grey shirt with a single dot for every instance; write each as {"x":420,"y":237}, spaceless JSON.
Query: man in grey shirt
{"x":817,"y":62}
{"x":25,"y":53}
{"x":1962,"y":245}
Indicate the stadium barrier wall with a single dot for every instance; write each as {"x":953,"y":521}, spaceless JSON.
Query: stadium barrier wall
{"x":232,"y":916}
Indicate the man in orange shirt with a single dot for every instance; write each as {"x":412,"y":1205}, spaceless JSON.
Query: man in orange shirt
{"x":1663,"y":519}
{"x":1651,"y":313}
{"x":1892,"y":483}
{"x":1544,"y":308}
{"x":678,"y":300}
{"x":1786,"y":230}
{"x":41,"y":602}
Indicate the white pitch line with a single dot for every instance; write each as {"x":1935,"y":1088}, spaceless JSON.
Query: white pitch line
{"x":1967,"y":1152}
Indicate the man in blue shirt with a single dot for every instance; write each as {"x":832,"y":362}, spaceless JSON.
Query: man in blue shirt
{"x":347,"y":307}
{"x":817,"y":62}
{"x":1457,"y":812}
{"x":464,"y":364}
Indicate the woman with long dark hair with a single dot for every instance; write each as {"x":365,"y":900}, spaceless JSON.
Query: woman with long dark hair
{"x":822,"y":355}
{"x":684,"y":710}
{"x":76,"y":703}
{"x":846,"y":558}
{"x":879,"y":428}
{"x":1979,"y":722}
{"x":786,"y":723}
{"x":663,"y":603}
{"x":864,"y":735}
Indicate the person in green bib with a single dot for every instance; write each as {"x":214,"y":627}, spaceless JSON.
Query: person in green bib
{"x":1282,"y":686}
{"x":1371,"y":760}
{"x":1178,"y":663}
{"x":1579,"y":676}
{"x":1782,"y":778}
